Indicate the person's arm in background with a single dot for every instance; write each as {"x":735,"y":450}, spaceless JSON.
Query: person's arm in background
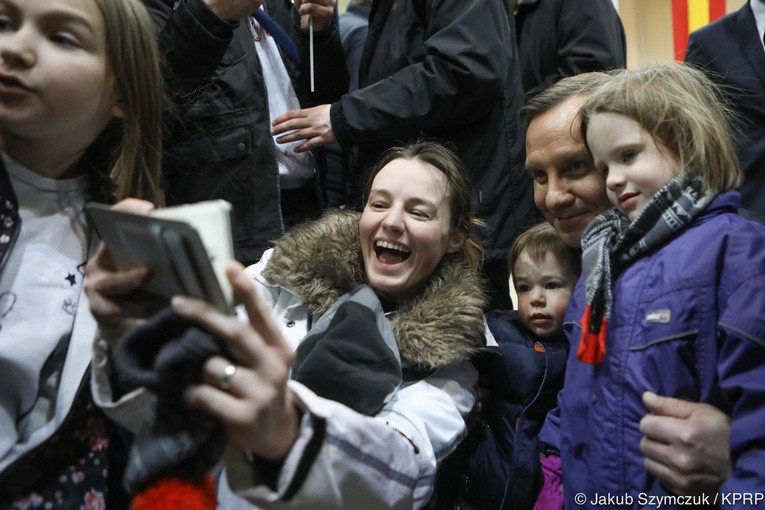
{"x":329,"y":66}
{"x":456,"y":83}
{"x":686,"y":444}
{"x":589,"y":36}
{"x":195,"y":36}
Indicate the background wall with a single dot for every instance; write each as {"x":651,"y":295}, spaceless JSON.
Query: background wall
{"x":648,"y":26}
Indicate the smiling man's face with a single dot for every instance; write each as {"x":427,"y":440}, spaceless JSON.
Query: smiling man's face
{"x":568,"y":190}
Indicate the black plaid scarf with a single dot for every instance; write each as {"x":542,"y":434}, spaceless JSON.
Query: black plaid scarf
{"x":611,"y":242}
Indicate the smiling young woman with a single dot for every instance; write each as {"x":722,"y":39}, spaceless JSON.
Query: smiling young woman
{"x":405,"y":228}
{"x":406,"y":270}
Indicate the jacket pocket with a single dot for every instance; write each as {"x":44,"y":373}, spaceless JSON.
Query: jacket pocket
{"x":682,"y":336}
{"x":205,"y":142}
{"x":664,"y":349}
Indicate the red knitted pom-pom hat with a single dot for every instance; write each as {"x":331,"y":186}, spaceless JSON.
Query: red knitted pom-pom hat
{"x":171,"y":493}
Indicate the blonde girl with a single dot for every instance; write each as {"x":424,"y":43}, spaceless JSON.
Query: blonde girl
{"x":80,"y":117}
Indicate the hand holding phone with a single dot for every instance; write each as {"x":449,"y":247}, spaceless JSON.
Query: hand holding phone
{"x":186,"y":248}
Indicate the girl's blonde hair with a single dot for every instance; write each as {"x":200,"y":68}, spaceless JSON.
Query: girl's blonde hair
{"x":683,"y":109}
{"x":125,"y":159}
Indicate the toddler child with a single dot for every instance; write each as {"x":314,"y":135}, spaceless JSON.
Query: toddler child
{"x":503,"y":468}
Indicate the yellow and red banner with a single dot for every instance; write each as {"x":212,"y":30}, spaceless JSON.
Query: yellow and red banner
{"x":688,"y":15}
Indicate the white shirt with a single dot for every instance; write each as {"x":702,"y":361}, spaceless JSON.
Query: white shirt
{"x":294,"y":169}
{"x":39,"y":290}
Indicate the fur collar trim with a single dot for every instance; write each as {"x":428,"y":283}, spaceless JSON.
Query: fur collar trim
{"x":321,"y":260}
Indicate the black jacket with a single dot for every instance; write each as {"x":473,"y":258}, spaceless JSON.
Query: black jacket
{"x":446,"y":69}
{"x":219,"y":143}
{"x":560,"y":38}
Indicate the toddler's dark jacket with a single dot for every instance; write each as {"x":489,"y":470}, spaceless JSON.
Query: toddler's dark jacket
{"x":500,"y":456}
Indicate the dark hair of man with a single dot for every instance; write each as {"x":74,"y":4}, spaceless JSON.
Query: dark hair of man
{"x":565,"y":89}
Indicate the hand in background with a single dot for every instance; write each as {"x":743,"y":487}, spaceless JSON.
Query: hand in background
{"x":686,"y":444}
{"x":320,"y":11}
{"x":254,"y":405}
{"x":233,"y":10}
{"x":310,"y":124}
{"x":108,"y":288}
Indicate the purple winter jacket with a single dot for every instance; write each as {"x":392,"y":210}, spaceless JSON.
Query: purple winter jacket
{"x":688,"y":321}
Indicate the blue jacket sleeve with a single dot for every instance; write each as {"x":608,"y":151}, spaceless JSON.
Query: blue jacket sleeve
{"x":549,"y":436}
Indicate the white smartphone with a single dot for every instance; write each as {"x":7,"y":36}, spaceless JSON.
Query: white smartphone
{"x":185,"y":247}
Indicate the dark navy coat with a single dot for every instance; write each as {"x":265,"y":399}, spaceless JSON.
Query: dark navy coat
{"x":730,"y":50}
{"x":503,"y":460}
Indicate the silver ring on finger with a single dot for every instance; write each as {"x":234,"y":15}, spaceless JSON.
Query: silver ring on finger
{"x":225,"y":379}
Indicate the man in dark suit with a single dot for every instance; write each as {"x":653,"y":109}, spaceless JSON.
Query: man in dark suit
{"x":732,"y":51}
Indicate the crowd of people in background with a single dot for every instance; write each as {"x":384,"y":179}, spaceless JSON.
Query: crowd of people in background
{"x":392,"y":170}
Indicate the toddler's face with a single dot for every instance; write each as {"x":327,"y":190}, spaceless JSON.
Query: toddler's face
{"x":544,"y":290}
{"x":636,"y":166}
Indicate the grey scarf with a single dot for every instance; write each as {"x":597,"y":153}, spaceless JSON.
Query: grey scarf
{"x":611,"y":242}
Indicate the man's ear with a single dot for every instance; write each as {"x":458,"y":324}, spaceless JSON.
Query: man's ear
{"x":456,"y":242}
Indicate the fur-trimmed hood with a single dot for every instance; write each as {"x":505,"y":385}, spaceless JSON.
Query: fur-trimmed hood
{"x":321,"y":260}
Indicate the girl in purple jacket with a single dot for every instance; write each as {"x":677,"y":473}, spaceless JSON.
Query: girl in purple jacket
{"x":672,"y":299}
